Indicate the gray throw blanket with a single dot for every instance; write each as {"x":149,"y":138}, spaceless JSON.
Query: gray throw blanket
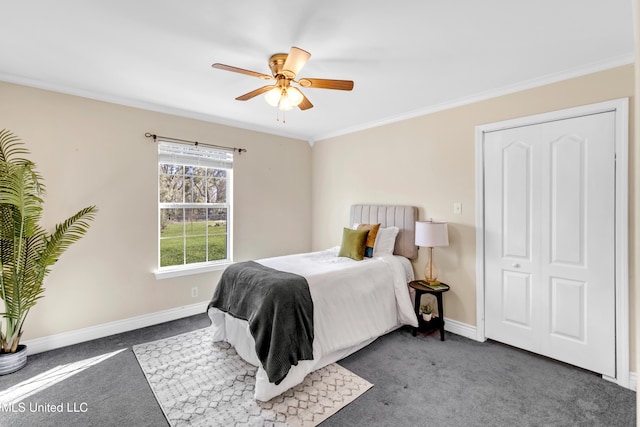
{"x":279,"y":310}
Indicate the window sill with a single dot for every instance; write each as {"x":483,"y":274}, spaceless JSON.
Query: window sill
{"x":168,"y":273}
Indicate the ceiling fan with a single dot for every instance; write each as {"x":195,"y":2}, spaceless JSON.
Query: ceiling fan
{"x":284,"y":69}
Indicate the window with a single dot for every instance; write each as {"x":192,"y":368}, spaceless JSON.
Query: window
{"x":194,"y":200}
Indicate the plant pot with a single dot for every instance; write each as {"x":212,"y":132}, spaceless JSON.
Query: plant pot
{"x":11,"y":362}
{"x":426,"y":317}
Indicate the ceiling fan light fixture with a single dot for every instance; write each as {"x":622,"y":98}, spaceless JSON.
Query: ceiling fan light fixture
{"x":273,"y":96}
{"x":284,"y":98}
{"x":294,"y":96}
{"x":285,"y":103}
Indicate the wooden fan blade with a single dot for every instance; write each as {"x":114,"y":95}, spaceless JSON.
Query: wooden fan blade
{"x":255,"y":93}
{"x":305,"y":104}
{"x":241,"y":71}
{"x":294,"y":62}
{"x":327,"y":84}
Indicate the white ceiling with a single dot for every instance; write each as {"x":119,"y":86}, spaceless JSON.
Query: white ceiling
{"x":407,"y":57}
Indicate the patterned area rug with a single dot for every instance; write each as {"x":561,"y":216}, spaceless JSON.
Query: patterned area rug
{"x":198,"y":382}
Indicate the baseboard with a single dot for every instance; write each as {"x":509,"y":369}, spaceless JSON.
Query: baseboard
{"x":460,"y":328}
{"x":51,"y":342}
{"x":633,"y":381}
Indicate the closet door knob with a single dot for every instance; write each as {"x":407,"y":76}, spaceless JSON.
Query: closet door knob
{"x":515,"y":265}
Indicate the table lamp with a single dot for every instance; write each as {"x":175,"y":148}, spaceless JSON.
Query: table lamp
{"x":431,"y":234}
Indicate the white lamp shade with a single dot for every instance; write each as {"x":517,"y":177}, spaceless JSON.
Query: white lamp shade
{"x":273,"y":96}
{"x":285,"y":104}
{"x":294,"y":95}
{"x":431,"y":234}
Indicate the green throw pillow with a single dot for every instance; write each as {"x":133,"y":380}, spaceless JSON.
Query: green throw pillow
{"x":353,"y":243}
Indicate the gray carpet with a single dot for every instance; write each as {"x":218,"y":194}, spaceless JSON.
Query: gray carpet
{"x":419,"y":381}
{"x":461,"y":382}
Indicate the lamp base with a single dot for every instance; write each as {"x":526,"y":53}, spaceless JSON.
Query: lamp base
{"x":430,"y":270}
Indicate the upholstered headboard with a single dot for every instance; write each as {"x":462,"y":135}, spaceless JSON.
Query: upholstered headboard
{"x":403,"y":217}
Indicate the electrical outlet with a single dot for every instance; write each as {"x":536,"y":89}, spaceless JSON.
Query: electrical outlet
{"x":194,"y":292}
{"x":457,"y":208}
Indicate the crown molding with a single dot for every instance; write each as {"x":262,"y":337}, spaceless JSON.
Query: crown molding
{"x":483,"y":96}
{"x":148,"y":106}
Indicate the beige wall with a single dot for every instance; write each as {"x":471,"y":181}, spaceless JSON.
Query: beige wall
{"x":92,"y":152}
{"x":429,"y":162}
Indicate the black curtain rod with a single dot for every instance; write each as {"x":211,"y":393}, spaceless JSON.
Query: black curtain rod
{"x":196,"y":143}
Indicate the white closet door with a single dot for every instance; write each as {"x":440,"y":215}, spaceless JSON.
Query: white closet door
{"x":549,"y":236}
{"x":511,"y":219}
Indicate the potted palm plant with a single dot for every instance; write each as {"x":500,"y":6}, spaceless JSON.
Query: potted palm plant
{"x":27,"y":251}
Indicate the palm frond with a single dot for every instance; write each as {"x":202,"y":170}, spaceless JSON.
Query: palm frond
{"x":65,"y":234}
{"x":18,"y":189}
{"x":10,"y":147}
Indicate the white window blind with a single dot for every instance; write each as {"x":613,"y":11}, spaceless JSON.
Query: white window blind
{"x":194,"y":155}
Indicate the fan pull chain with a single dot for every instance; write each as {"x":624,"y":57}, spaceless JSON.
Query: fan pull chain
{"x":284,"y":117}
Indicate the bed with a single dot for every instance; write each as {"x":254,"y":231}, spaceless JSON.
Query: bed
{"x":354,"y":302}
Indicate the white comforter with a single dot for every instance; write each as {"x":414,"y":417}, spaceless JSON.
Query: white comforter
{"x":354,"y":303}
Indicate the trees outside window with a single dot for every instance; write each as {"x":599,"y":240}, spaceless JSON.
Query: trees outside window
{"x":194,"y":204}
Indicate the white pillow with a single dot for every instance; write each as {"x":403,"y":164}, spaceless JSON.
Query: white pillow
{"x":385,"y":241}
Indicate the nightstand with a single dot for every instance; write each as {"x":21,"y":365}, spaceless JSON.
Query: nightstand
{"x":435,"y":322}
